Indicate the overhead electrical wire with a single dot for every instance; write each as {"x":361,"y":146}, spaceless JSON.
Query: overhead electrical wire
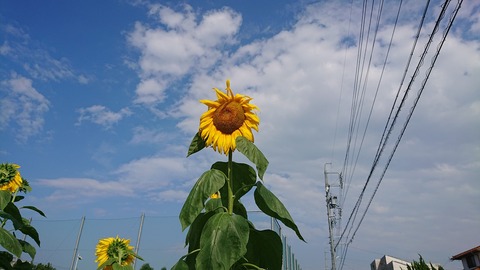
{"x":357,"y":100}
{"x":386,"y":57}
{"x":385,"y":137}
{"x":412,"y":109}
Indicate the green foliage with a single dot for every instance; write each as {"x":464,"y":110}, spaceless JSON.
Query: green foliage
{"x":422,"y":265}
{"x":12,"y":221}
{"x":197,"y":144}
{"x":146,"y":266}
{"x":256,"y":156}
{"x":8,"y":263}
{"x":41,"y":266}
{"x":220,"y":236}
{"x":210,"y":182}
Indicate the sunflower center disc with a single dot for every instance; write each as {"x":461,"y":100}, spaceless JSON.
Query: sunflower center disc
{"x":229,"y":117}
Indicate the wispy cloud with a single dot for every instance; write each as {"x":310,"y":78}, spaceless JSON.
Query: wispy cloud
{"x":22,"y":108}
{"x":101,"y":115}
{"x":35,"y":60}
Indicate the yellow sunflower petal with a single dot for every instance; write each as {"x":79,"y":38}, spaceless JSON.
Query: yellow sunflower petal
{"x":210,"y":103}
{"x":246,"y":132}
{"x":228,"y":117}
{"x":220,"y":95}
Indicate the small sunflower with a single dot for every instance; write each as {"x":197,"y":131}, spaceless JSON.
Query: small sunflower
{"x":10,"y":178}
{"x":117,"y":248}
{"x":215,"y":195}
{"x":227,"y":118}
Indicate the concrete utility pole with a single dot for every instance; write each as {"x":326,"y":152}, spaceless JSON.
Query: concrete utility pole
{"x":137,"y":246}
{"x":331,"y":201}
{"x":76,"y":257}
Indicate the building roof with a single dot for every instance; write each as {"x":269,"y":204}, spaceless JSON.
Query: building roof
{"x":463,"y":254}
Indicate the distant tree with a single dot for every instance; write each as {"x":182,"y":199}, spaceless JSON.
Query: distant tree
{"x":7,"y":262}
{"x":146,"y":266}
{"x":42,"y":266}
{"x":164,"y":268}
{"x":422,"y":265}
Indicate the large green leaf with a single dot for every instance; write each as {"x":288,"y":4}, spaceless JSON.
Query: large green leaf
{"x":29,"y":230}
{"x":10,"y":243}
{"x":5,"y":198}
{"x":244,"y":178}
{"x":210,"y":182}
{"x":180,"y":265}
{"x":272,"y":206}
{"x":34,"y":209}
{"x":193,"y":236}
{"x":7,"y":216}
{"x":223,"y":242}
{"x":196,"y":145}
{"x":15,"y":215}
{"x":254,"y":154}
{"x":27,"y":248}
{"x":239,"y":209}
{"x":265,"y":249}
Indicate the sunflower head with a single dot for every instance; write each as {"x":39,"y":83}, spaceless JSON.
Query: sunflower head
{"x":10,"y":178}
{"x":114,"y":250}
{"x":227,"y":118}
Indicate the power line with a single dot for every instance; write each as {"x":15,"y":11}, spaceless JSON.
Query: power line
{"x":434,"y":58}
{"x":412,"y":109}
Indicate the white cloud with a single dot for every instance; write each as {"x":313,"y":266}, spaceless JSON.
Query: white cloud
{"x":22,"y":108}
{"x":150,"y":136}
{"x":101,"y":115}
{"x":172,"y":195}
{"x":295,"y":78}
{"x":178,"y":45}
{"x":84,"y":187}
{"x":150,"y":91}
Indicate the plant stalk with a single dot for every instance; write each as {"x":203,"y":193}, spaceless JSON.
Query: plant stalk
{"x":230,"y":183}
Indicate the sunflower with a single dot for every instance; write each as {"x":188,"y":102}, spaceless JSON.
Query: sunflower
{"x":227,"y":118}
{"x":114,"y":248}
{"x":11,"y":179}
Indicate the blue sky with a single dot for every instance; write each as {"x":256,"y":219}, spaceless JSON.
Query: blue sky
{"x":99,"y":102}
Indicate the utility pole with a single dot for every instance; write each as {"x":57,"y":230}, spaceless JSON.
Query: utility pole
{"x":76,"y":257}
{"x":137,"y":246}
{"x":331,"y":201}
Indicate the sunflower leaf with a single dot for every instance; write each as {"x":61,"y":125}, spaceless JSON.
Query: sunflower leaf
{"x":254,"y":154}
{"x":272,"y":206}
{"x":32,"y":232}
{"x":210,"y":182}
{"x":180,"y":265}
{"x":196,"y":145}
{"x":244,"y":178}
{"x":27,"y":248}
{"x":223,"y":241}
{"x":5,"y":198}
{"x":10,"y":243}
{"x":34,"y":209}
{"x":264,"y":249}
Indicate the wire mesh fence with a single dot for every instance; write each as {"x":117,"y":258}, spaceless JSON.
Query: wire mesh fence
{"x":70,"y":244}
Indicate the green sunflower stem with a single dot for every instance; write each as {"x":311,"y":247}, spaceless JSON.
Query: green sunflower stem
{"x":229,"y":183}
